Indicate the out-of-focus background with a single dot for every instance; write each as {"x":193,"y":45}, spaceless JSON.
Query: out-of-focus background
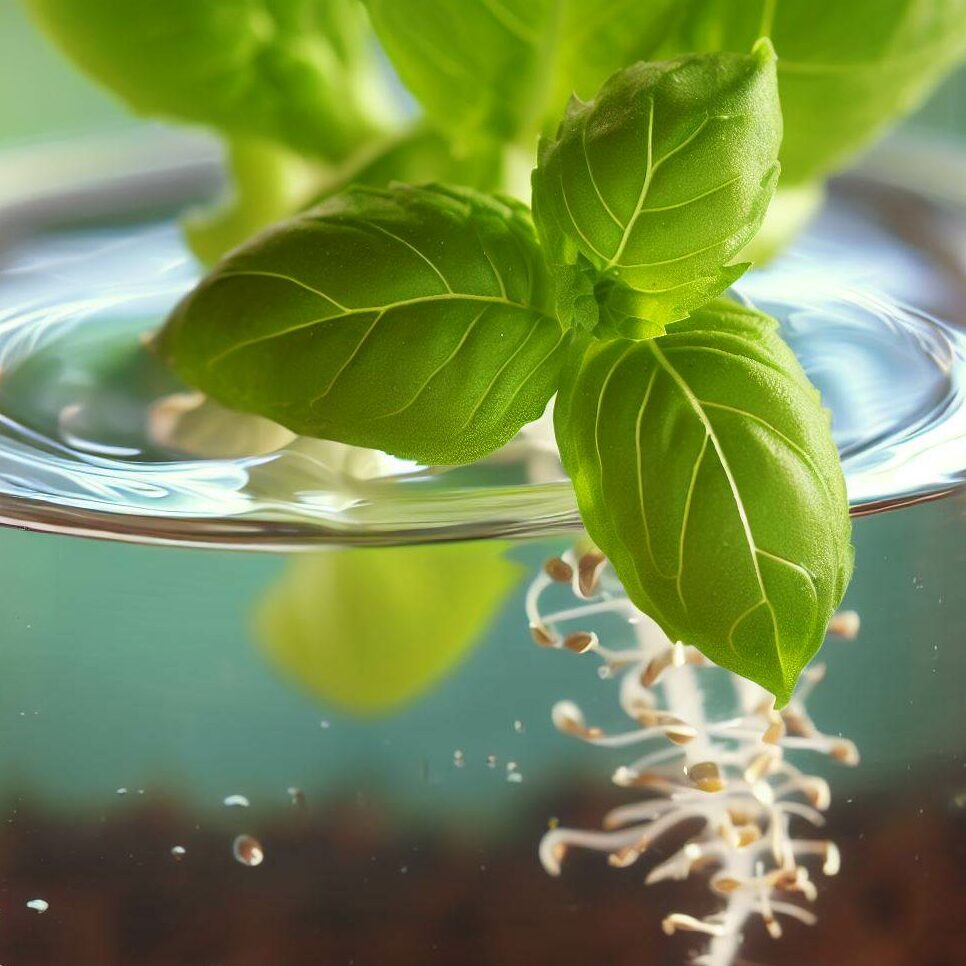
{"x":43,"y":98}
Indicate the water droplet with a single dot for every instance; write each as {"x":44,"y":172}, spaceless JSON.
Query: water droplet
{"x":237,"y":801}
{"x":38,"y":905}
{"x":491,"y":761}
{"x":247,"y":850}
{"x":518,"y":727}
{"x":297,"y":796}
{"x":458,"y":758}
{"x":178,"y":852}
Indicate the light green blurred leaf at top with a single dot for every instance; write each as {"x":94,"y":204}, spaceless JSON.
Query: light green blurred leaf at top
{"x":506,"y":68}
{"x":298,"y":72}
{"x":847,"y":69}
{"x":371,"y":630}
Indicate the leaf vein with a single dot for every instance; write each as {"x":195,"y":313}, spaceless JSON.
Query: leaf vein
{"x":349,"y":359}
{"x":593,"y":180}
{"x":416,"y":251}
{"x":258,"y":273}
{"x":787,"y":440}
{"x":702,"y":416}
{"x":684,"y":522}
{"x":534,"y":371}
{"x":690,"y":201}
{"x":449,"y":358}
{"x":638,"y":425}
{"x":364,"y":310}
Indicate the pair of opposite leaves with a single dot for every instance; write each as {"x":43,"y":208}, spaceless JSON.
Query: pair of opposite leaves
{"x":433,"y":323}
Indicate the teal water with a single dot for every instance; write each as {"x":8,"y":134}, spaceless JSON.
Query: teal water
{"x":142,"y":668}
{"x":132,"y":666}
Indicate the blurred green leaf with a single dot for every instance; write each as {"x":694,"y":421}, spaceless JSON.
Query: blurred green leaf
{"x":846,"y":68}
{"x":371,"y":630}
{"x":299,"y":72}
{"x":271,"y":183}
{"x":504,"y":69}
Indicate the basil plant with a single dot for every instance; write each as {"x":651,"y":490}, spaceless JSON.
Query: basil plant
{"x":409,"y":291}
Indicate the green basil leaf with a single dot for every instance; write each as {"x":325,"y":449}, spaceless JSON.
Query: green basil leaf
{"x":705,"y":469}
{"x":662,"y":179}
{"x":411,"y":320}
{"x":505,"y":68}
{"x":369,"y":631}
{"x":299,"y":72}
{"x":846,"y":68}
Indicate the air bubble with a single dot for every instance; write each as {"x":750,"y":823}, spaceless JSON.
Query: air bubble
{"x":248,"y":850}
{"x":38,"y":905}
{"x":237,"y":801}
{"x":178,"y":852}
{"x":458,"y":759}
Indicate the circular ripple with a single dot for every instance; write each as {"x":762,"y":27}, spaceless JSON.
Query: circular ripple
{"x":96,"y":437}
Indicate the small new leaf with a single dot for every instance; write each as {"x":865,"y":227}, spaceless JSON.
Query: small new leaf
{"x":705,"y":469}
{"x":662,"y":179}
{"x":412,"y":320}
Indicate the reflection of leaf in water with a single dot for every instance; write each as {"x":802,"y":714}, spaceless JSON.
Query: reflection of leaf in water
{"x":370,"y":630}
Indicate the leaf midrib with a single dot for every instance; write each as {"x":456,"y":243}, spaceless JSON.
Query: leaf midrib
{"x":753,"y":549}
{"x":347,"y":312}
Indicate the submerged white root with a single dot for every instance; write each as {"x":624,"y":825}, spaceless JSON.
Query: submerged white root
{"x":727,"y":772}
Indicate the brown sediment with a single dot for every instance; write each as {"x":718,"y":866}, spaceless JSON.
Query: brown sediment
{"x":330,"y":889}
